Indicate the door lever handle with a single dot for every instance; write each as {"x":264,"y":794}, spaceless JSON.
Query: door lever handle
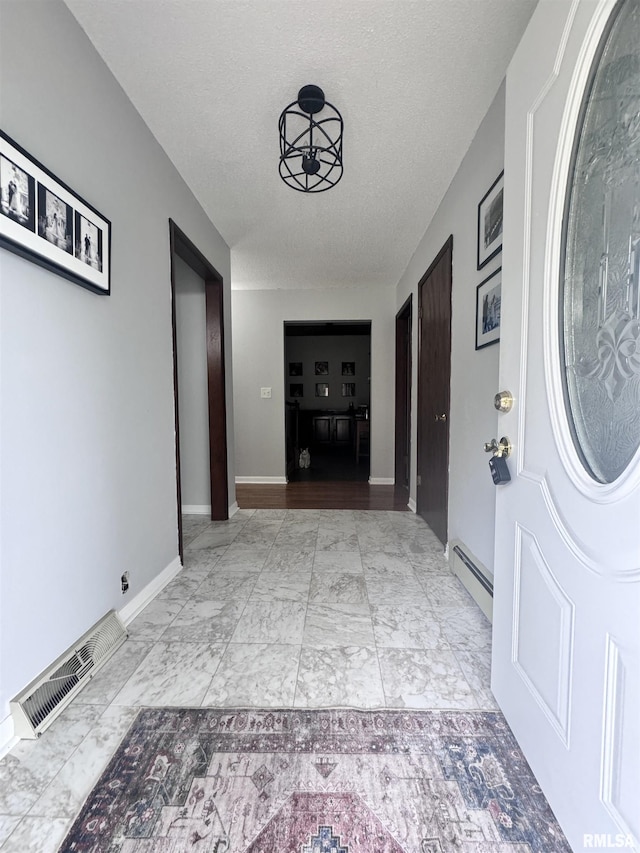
{"x":441,"y":417}
{"x":499,"y":448}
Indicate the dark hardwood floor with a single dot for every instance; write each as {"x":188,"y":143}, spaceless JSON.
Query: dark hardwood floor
{"x":321,"y":495}
{"x":332,"y":465}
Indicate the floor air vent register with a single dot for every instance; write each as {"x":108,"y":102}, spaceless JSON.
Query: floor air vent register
{"x":41,"y":702}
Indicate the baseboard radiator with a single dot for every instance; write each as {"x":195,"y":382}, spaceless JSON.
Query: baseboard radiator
{"x":475,"y":577}
{"x":40,"y":703}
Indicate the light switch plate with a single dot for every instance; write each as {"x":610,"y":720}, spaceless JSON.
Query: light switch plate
{"x":265,"y":393}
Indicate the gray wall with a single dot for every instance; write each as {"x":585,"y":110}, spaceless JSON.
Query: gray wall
{"x":193,"y":395}
{"x":474,"y":374}
{"x":258,"y":357}
{"x":88,"y":442}
{"x":335,"y":349}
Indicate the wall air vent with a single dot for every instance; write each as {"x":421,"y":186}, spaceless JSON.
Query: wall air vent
{"x":41,"y":702}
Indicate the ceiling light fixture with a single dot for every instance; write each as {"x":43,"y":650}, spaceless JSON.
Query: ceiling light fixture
{"x":310,"y":147}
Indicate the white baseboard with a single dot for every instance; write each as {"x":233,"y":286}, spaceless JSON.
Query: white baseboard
{"x":412,"y":505}
{"x":263,"y":481}
{"x":129,"y":612}
{"x":197,"y":509}
{"x":382,"y":481}
{"x":7,"y":738}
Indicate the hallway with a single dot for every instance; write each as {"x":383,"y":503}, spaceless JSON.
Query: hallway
{"x":274,"y":608}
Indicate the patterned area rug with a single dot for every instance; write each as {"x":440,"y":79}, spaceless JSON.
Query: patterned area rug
{"x":339,"y":781}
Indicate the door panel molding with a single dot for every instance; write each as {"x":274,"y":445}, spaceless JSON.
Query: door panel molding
{"x":534,"y":579}
{"x":619,"y":709}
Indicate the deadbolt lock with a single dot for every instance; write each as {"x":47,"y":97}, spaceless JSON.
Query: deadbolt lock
{"x":503,"y":401}
{"x":499,"y":448}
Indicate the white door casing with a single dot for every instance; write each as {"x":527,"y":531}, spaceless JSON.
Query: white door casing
{"x":566,"y":641}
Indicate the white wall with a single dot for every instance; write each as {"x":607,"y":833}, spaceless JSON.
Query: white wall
{"x":474,"y":374}
{"x":193,"y":393}
{"x":258,"y":358}
{"x":88,"y":442}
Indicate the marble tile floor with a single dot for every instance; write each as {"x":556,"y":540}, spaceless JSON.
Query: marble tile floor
{"x":273,"y":608}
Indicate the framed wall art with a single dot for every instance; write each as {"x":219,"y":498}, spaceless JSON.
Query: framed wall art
{"x":488,"y":304}
{"x":44,"y":221}
{"x":322,"y":389}
{"x":322,"y":368}
{"x":490,"y":222}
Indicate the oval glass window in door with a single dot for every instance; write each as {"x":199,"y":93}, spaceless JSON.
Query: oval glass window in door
{"x":600,"y":273}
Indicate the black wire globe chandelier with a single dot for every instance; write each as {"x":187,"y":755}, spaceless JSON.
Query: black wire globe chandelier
{"x":310,"y":147}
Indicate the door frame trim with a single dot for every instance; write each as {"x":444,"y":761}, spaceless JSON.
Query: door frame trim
{"x":182,"y":247}
{"x":404,"y":367}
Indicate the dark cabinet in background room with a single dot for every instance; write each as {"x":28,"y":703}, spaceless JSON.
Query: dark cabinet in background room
{"x":335,"y":430}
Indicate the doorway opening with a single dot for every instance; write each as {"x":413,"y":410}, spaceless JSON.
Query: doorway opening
{"x":327,"y":367}
{"x":193,"y":276}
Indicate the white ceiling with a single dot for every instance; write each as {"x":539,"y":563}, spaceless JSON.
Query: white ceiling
{"x":412,"y":79}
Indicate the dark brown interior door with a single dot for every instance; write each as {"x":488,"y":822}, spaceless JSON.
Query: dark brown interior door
{"x":434,"y":379}
{"x":403,"y":395}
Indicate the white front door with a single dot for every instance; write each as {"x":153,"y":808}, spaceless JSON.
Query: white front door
{"x":566,"y":647}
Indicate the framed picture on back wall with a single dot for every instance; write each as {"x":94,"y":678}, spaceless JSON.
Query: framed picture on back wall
{"x":488,"y":308}
{"x":490,"y":222}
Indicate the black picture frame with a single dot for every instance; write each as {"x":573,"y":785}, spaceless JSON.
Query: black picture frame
{"x":322,"y":368}
{"x":45,"y":221}
{"x":348,"y":368}
{"x":488,"y":310}
{"x":348,"y":389}
{"x":295,"y":368}
{"x":490,"y":219}
{"x":296,"y":390}
{"x":322,"y":389}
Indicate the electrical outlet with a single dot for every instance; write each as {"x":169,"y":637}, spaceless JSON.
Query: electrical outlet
{"x":124,"y":582}
{"x":265,"y":393}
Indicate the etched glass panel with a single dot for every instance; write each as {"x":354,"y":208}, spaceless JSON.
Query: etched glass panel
{"x":600,"y":278}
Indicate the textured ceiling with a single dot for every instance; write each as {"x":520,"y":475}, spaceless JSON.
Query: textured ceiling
{"x":412,"y":79}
